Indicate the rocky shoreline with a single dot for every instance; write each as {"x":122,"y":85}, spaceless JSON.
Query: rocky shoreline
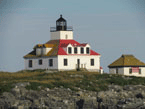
{"x":116,"y":97}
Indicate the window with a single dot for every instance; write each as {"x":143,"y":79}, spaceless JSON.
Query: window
{"x":57,"y":23}
{"x":69,"y":50}
{"x":65,"y":62}
{"x":135,"y":69}
{"x":130,"y":71}
{"x":50,"y":62}
{"x":61,"y":23}
{"x":40,"y":62}
{"x":87,"y":50}
{"x":66,"y":36}
{"x":30,"y":63}
{"x":92,"y":62}
{"x":75,"y":50}
{"x":139,"y":71}
{"x":116,"y":70}
{"x":82,"y":50}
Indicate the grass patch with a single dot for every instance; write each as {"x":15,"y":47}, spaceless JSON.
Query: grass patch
{"x":5,"y":88}
{"x":35,"y":86}
{"x":64,"y":84}
{"x":92,"y":81}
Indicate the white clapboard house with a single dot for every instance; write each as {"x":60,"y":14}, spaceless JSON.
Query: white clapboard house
{"x":128,"y":65}
{"x":62,"y":52}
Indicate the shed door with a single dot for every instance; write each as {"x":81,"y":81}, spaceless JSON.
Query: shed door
{"x":116,"y":70}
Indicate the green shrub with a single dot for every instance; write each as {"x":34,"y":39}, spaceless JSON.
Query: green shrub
{"x":5,"y":88}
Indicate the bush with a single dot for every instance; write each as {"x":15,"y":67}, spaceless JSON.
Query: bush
{"x":5,"y":88}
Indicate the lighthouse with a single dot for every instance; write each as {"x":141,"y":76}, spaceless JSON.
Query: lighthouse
{"x":62,"y":52}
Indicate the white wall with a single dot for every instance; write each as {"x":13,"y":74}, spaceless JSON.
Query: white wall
{"x":125,"y":71}
{"x":112,"y":70}
{"x":58,"y":63}
{"x":45,"y":50}
{"x":121,"y":70}
{"x":38,"y":51}
{"x":45,"y":63}
{"x":55,"y":35}
{"x":72,"y":61}
{"x":42,"y":51}
{"x":61,"y":35}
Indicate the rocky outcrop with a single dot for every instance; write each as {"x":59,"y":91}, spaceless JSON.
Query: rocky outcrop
{"x":116,"y":97}
{"x":127,"y":97}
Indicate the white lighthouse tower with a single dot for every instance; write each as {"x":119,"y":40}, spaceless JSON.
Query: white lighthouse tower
{"x":61,"y":31}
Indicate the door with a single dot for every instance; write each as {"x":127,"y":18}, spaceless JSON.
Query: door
{"x":78,"y":63}
{"x":116,"y":70}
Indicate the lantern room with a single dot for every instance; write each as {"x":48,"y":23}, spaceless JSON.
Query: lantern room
{"x":61,"y":24}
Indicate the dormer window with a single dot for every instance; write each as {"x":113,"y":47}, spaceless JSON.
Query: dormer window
{"x":75,"y":50}
{"x":87,"y":50}
{"x":82,"y":50}
{"x":69,"y":50}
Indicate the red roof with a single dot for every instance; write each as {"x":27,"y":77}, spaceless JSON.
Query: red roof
{"x":93,"y":53}
{"x":83,"y":44}
{"x":65,"y":43}
{"x":61,"y":51}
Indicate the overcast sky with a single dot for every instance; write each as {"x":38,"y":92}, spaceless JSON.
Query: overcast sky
{"x":111,"y":27}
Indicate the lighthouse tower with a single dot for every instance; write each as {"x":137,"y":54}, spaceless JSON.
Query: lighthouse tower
{"x":61,"y":31}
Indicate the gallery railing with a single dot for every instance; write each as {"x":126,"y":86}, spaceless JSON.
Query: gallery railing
{"x":69,"y":28}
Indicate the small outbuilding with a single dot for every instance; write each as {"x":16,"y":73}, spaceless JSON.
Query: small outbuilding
{"x":127,"y":65}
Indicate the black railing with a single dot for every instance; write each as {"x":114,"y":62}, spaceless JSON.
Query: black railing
{"x":69,"y":28}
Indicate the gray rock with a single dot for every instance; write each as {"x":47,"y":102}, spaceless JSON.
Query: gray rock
{"x":2,"y":103}
{"x":24,"y":84}
{"x":20,"y":107}
{"x":139,"y":95}
{"x":115,"y":88}
{"x":7,"y":96}
{"x":16,"y":92}
{"x":117,"y":97}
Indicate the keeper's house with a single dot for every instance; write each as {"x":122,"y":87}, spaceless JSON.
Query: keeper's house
{"x":127,"y":65}
{"x":62,"y":52}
